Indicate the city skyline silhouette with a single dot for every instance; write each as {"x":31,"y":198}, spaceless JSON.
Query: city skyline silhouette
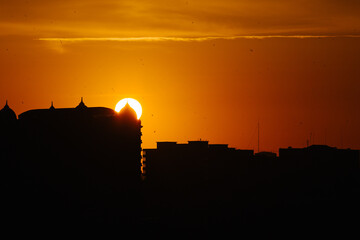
{"x":85,"y":166}
{"x":309,"y":138}
{"x":149,"y":117}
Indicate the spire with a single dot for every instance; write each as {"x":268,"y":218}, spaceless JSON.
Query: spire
{"x":7,"y":112}
{"x":6,"y":105}
{"x":81,"y":104}
{"x":52,"y":106}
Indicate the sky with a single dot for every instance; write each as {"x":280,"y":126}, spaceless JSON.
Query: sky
{"x":209,"y":70}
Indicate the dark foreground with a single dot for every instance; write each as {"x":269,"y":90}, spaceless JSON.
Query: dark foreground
{"x":257,"y":202}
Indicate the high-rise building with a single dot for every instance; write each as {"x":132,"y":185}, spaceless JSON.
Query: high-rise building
{"x":82,"y":160}
{"x":96,"y":140}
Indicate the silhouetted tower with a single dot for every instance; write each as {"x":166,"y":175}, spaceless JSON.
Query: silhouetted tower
{"x":7,"y":115}
{"x":8,"y":133}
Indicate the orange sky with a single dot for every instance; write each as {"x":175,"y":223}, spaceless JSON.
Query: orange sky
{"x":192,"y":68}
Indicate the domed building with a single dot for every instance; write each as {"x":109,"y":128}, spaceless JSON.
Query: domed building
{"x":81,"y":159}
{"x":98,"y":139}
{"x":128,"y":113}
{"x":7,"y":115}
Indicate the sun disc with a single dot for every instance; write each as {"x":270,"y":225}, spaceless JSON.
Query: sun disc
{"x":134,"y":104}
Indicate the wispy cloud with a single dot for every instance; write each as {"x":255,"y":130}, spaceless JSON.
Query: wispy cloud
{"x":180,"y":20}
{"x":189,"y":39}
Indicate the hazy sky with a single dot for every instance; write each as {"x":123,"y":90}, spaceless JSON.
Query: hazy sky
{"x":201,"y":69}
{"x":110,"y":18}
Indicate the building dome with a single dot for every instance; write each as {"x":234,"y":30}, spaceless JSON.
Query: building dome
{"x":128,"y":112}
{"x":7,"y":114}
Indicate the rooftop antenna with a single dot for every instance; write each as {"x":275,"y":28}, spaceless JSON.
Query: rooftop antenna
{"x":258,"y":136}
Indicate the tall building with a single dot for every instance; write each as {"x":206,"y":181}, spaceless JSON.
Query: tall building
{"x":82,"y":159}
{"x":90,"y":138}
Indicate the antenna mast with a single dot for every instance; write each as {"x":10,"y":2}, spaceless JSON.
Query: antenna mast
{"x":258,"y":136}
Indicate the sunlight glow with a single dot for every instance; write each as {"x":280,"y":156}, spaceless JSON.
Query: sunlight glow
{"x":134,"y":104}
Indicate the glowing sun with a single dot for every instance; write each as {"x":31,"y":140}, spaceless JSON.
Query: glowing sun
{"x":134,"y":104}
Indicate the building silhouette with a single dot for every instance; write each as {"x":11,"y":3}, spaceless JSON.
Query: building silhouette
{"x":8,"y":136}
{"x":224,"y":188}
{"x":86,"y":161}
{"x":320,"y":158}
{"x":193,"y":161}
{"x":82,"y":166}
{"x":193,"y":183}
